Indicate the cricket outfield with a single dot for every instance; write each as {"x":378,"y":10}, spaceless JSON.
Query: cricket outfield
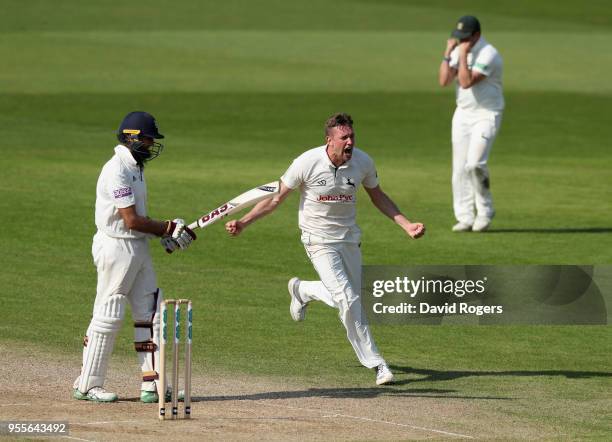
{"x":240,"y":89}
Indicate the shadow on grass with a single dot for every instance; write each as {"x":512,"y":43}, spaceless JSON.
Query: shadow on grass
{"x":341,"y":393}
{"x":392,"y":390}
{"x":436,"y":375}
{"x":332,"y":393}
{"x":553,"y":230}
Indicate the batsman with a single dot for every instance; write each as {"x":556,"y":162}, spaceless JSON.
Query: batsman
{"x":328,"y":177}
{"x":121,"y":255}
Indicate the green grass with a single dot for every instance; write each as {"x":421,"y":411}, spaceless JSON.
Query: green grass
{"x":240,"y":89}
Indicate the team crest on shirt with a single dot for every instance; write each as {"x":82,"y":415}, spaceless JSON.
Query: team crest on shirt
{"x":322,"y":183}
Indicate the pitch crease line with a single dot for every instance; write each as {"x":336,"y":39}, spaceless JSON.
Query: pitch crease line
{"x":77,"y":438}
{"x":105,"y":422}
{"x":348,"y":416}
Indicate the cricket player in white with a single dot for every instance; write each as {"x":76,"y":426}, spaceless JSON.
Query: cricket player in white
{"x":328,"y":178}
{"x":121,"y":254}
{"x":477,"y":66}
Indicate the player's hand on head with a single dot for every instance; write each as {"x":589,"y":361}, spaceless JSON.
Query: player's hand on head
{"x":465,"y":46}
{"x":451,"y":43}
{"x":234,"y":227}
{"x":416,"y":230}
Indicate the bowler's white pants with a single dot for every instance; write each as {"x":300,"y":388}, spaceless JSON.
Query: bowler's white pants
{"x":473,"y":134}
{"x":339,"y":267}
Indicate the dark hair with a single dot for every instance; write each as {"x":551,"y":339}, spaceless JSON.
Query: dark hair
{"x":338,"y":119}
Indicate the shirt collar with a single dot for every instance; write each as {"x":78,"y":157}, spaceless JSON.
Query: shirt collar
{"x":479,"y":44}
{"x":329,"y":162}
{"x":126,"y":157}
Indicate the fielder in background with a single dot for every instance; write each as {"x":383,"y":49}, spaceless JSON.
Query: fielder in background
{"x":121,"y":255}
{"x":477,"y":66}
{"x":328,"y":178}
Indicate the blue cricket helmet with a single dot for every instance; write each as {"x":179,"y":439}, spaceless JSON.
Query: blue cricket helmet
{"x":134,"y":126}
{"x":139,"y":123}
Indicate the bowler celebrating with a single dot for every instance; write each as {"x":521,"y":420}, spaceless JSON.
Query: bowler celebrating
{"x":477,"y":66}
{"x":328,"y":177}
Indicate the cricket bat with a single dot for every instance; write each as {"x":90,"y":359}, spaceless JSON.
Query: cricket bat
{"x":242,"y":201}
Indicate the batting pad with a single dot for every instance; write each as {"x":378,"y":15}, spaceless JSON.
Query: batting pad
{"x":103,"y":329}
{"x":146,"y":342}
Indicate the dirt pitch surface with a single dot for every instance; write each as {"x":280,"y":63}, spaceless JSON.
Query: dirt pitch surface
{"x":37,"y":387}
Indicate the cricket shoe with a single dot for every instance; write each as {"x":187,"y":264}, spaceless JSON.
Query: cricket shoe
{"x":462,"y":227}
{"x":150,"y":397}
{"x":95,"y":394}
{"x":383,"y":374}
{"x":481,"y":225}
{"x":297,"y":308}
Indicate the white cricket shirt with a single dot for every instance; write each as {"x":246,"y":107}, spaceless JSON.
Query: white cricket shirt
{"x":328,"y":194}
{"x":121,"y":184}
{"x":486,"y":94}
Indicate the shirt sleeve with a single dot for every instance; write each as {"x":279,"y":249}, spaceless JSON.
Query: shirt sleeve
{"x":370,"y":180}
{"x":294,"y":176}
{"x":484,"y":62}
{"x":121,"y":192}
{"x":454,"y":59}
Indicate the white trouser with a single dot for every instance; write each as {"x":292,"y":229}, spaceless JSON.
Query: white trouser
{"x":339,"y":267}
{"x":125,"y":270}
{"x":473,"y":134}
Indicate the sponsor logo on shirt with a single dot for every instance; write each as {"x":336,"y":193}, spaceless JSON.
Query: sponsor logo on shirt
{"x":322,"y":183}
{"x":349,"y":182}
{"x":123,"y":192}
{"x":340,"y":198}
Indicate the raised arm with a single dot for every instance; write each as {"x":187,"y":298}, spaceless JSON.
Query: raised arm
{"x":446,"y":74}
{"x":382,"y":201}
{"x":261,"y":209}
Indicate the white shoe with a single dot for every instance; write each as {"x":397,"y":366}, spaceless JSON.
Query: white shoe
{"x":383,"y":374}
{"x":297,"y":308}
{"x":95,"y":394}
{"x":462,"y":227}
{"x":481,"y":225}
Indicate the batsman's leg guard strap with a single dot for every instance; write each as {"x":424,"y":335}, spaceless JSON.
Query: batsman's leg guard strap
{"x":145,"y":346}
{"x":146,"y":341}
{"x":141,"y":326}
{"x":149,"y":376}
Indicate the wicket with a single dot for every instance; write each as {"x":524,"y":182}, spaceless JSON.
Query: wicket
{"x":163,"y":339}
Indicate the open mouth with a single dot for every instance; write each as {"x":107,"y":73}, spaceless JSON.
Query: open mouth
{"x":348,"y":151}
